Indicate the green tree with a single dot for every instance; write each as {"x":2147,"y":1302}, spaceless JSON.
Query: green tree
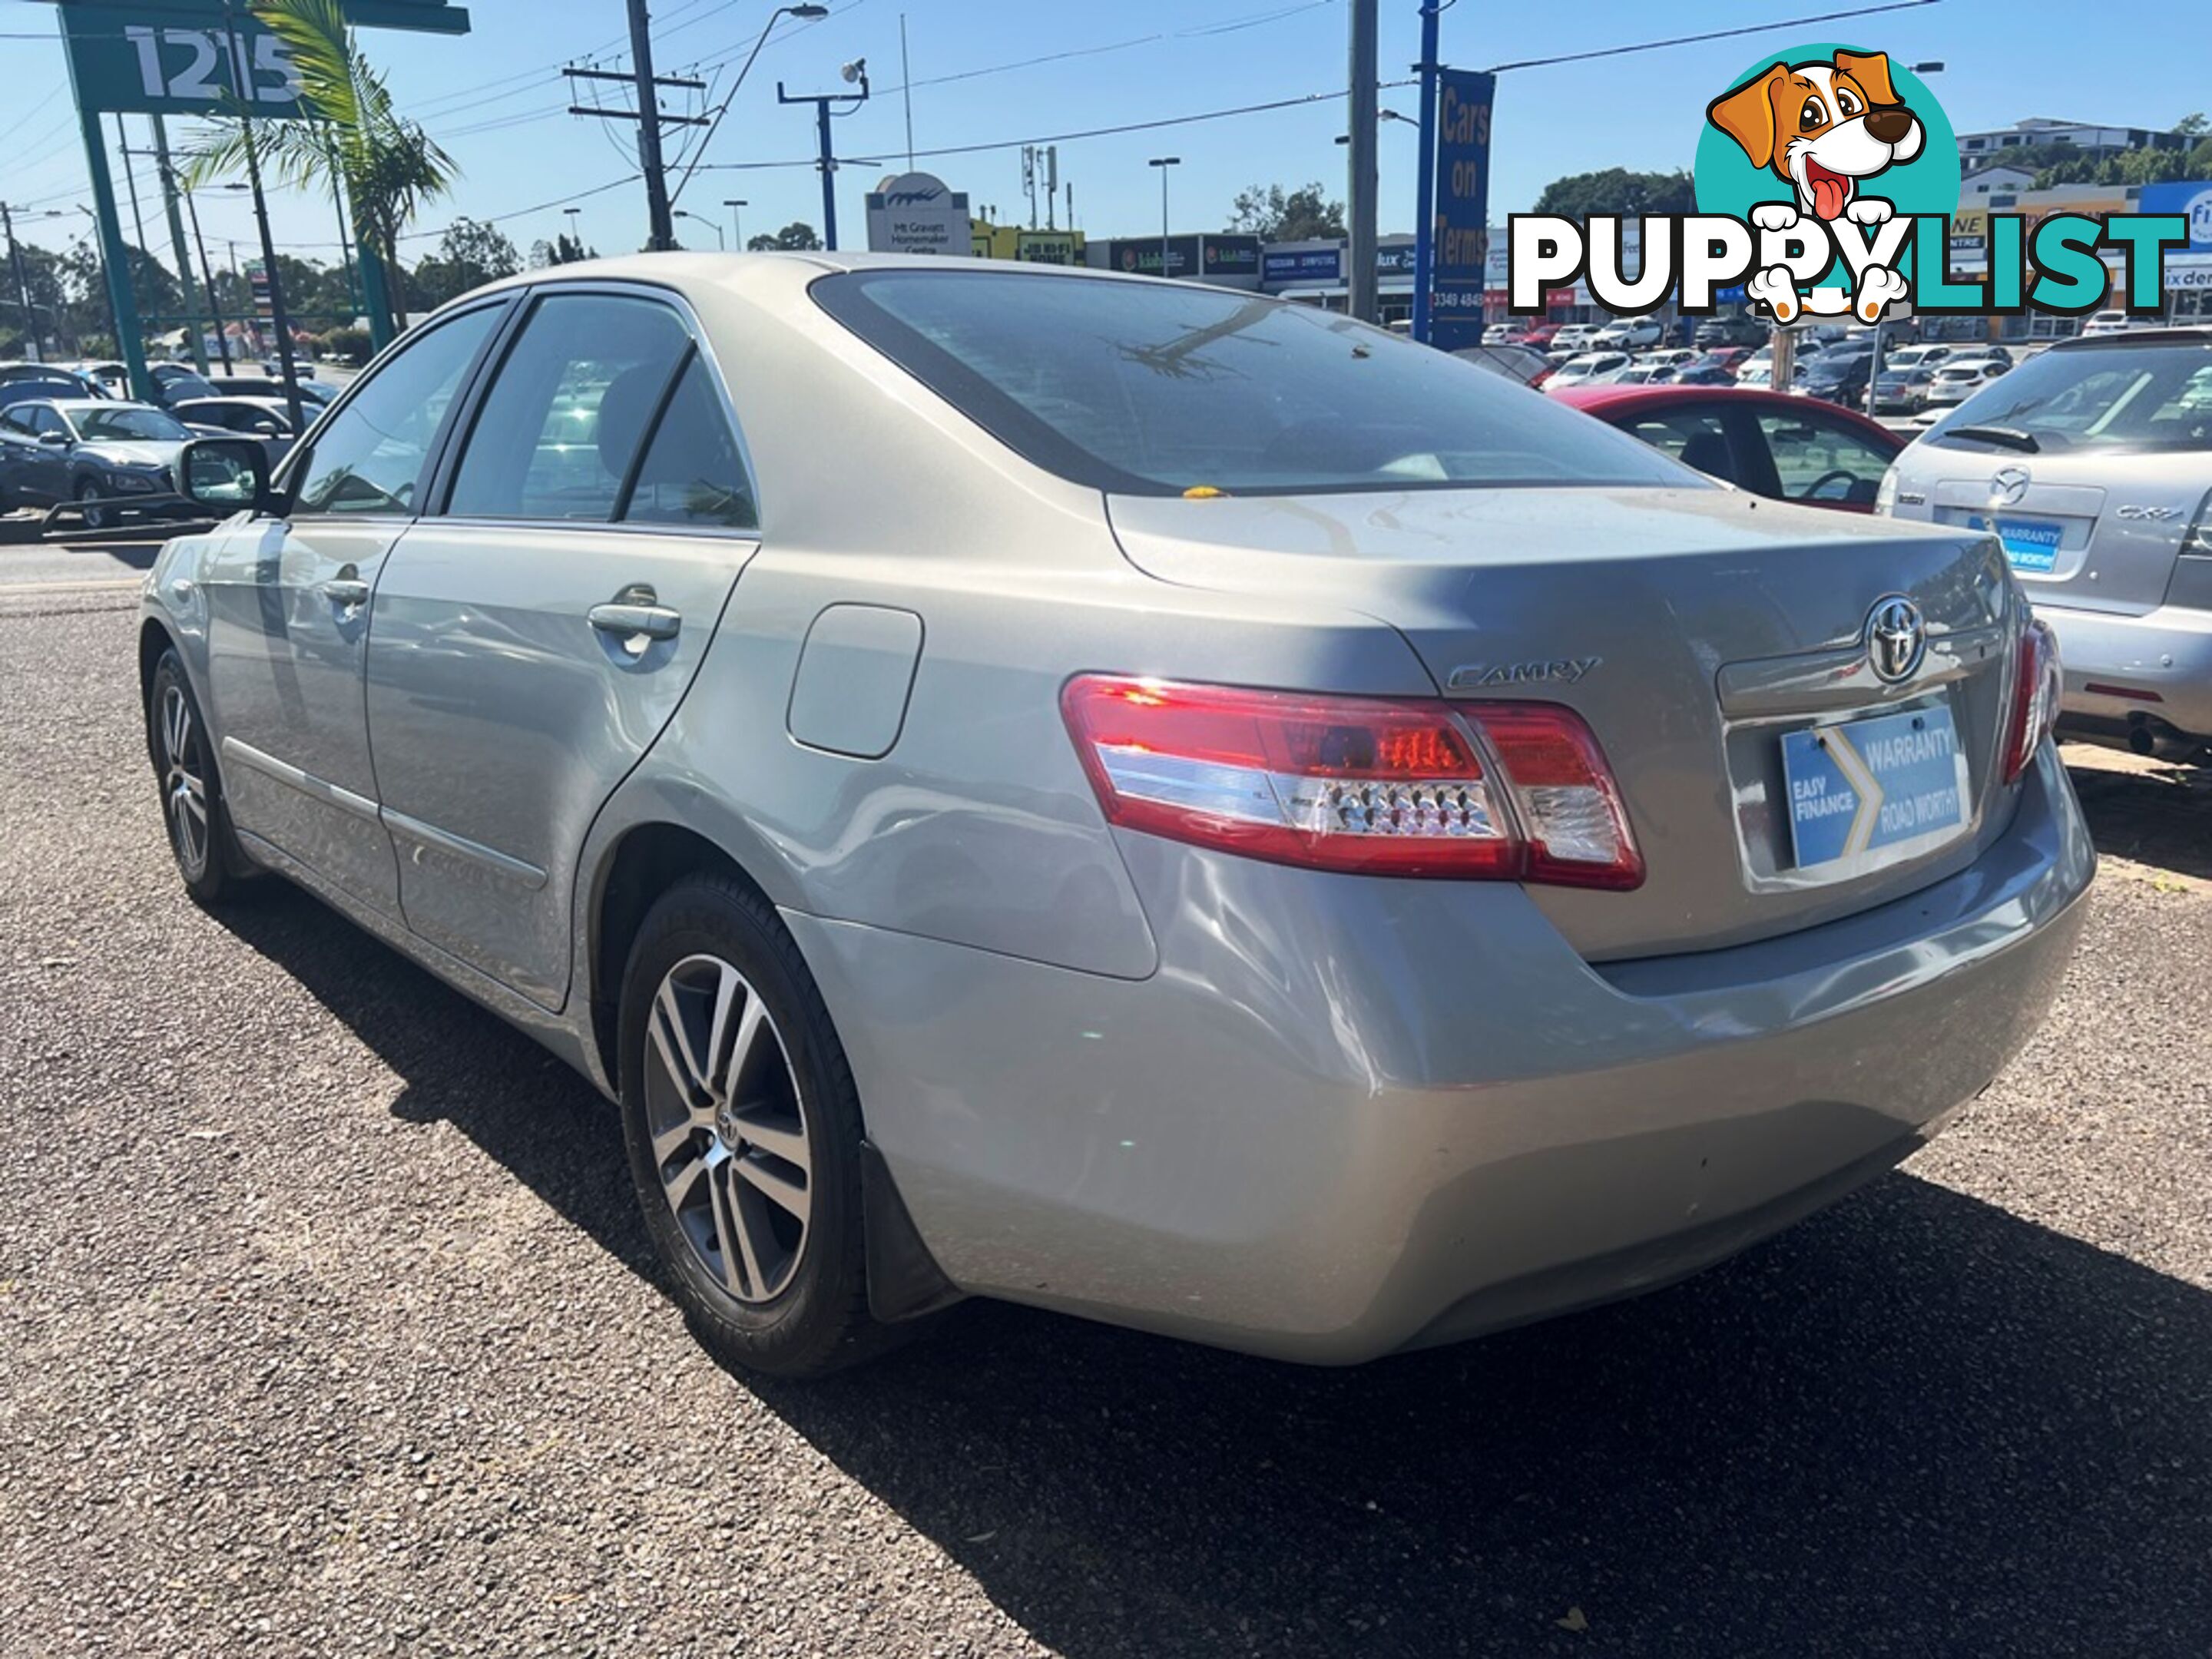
{"x":562,"y":250}
{"x":1616,"y":189}
{"x":470,"y":254}
{"x":1274,"y":215}
{"x":797,"y":237}
{"x":389,"y":167}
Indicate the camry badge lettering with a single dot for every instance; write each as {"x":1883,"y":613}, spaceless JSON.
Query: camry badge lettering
{"x":1896,"y":639}
{"x":1565,"y":671}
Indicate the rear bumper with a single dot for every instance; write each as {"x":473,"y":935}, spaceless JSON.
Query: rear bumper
{"x":2165,"y":656}
{"x":1350,"y":1116}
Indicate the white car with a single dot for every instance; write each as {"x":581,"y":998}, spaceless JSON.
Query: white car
{"x":2114,"y":322}
{"x":1672,"y":357}
{"x":1631,"y":332}
{"x":1500,"y":334}
{"x":1590,"y":369}
{"x":1957,"y":381}
{"x":1575,"y":337}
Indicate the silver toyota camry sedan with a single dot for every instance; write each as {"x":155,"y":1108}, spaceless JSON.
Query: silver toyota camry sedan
{"x":1129,"y":797}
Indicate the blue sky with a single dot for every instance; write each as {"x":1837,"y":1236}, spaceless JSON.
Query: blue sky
{"x":495,"y":100}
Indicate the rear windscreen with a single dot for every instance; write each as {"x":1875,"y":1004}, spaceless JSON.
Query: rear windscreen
{"x":1156,"y":388}
{"x":2108,"y":400}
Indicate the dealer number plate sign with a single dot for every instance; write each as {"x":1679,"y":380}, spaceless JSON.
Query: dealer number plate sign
{"x":1868,"y":792}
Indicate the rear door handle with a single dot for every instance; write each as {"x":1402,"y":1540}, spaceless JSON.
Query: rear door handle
{"x":654,"y":621}
{"x":348,"y":591}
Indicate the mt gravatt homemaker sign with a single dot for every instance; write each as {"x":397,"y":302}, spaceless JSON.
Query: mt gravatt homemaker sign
{"x":918,"y":213}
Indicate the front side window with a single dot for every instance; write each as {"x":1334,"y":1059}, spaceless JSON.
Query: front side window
{"x":1158,"y":389}
{"x":371,"y":457}
{"x":1816,"y":460}
{"x":569,"y":409}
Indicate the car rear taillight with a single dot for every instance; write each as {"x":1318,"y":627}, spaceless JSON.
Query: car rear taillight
{"x":1500,"y":791}
{"x":2036,"y":685}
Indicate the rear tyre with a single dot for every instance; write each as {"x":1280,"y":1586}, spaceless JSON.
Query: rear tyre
{"x":744,"y":1133}
{"x":192,"y":809}
{"x":88,"y":503}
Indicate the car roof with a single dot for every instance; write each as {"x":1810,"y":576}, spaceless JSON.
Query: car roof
{"x":2136,"y":339}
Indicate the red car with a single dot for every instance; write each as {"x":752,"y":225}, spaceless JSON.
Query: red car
{"x":1793,"y":449}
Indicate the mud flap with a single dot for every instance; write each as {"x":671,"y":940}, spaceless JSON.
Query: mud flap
{"x":904,"y":1281}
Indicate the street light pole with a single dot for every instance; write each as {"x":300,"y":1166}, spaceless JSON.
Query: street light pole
{"x":805,"y":14}
{"x":575,"y":228}
{"x":697,"y":219}
{"x":1164,"y":162}
{"x":737,"y":225}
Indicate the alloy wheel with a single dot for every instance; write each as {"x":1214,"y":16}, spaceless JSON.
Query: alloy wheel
{"x":728,"y":1127}
{"x":184,"y":782}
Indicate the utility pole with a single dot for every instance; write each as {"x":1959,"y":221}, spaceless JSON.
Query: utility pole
{"x":662,"y":227}
{"x":277,"y":312}
{"x":906,"y":89}
{"x":207,"y":269}
{"x":1365,"y":181}
{"x":22,"y":285}
{"x":159,"y":154}
{"x":659,"y":207}
{"x":129,"y":178}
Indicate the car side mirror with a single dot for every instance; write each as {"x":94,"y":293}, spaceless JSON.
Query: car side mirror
{"x":54,"y":440}
{"x":225,"y":475}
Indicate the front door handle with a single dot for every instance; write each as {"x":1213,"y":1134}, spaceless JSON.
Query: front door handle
{"x":628,"y":619}
{"x":346,"y":591}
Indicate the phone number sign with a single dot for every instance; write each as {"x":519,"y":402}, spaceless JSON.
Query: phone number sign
{"x":188,"y":57}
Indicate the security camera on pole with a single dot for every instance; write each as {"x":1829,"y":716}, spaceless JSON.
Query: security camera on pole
{"x":855,"y":74}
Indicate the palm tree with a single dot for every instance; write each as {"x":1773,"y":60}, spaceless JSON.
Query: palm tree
{"x":388,"y":167}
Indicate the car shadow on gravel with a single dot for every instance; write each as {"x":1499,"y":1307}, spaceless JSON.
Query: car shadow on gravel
{"x":1913,"y":1425}
{"x":2157,"y":815}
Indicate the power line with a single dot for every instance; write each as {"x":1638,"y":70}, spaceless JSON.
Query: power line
{"x":1712,"y":34}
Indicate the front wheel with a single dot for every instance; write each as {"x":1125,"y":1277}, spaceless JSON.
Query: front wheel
{"x":96,"y":514}
{"x":743,"y":1128}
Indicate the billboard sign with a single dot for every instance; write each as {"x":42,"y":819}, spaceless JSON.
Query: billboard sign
{"x":183,"y":57}
{"x":919,"y":213}
{"x":1460,"y":229}
{"x":1302,"y":264}
{"x":1232,"y":258}
{"x":2193,"y":201}
{"x":1141,"y":255}
{"x":1045,"y":247}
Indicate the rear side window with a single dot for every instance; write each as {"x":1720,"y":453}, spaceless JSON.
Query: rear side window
{"x":1158,"y":388}
{"x":569,"y":409}
{"x":693,"y":472}
{"x":370,"y":456}
{"x":2112,"y":399}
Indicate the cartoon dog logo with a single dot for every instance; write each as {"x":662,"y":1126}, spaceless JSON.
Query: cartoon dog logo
{"x":1823,"y":127}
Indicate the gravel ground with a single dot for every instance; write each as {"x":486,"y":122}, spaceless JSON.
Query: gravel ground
{"x":327,"y":1327}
